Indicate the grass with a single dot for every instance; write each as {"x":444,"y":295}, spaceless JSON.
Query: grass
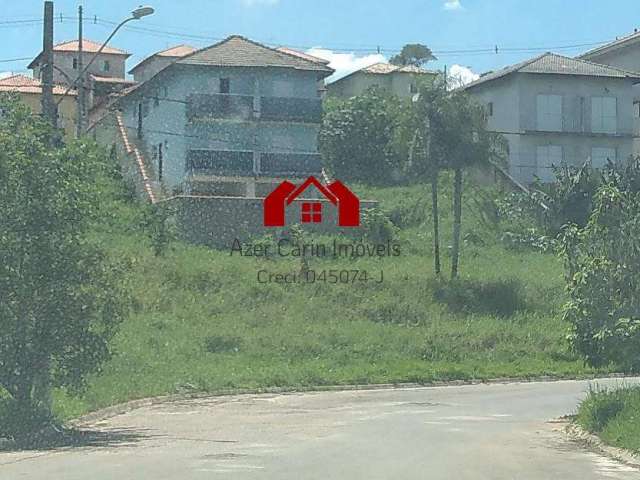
{"x":202,"y":322}
{"x":613,"y":415}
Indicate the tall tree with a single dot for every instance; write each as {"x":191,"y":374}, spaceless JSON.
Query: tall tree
{"x":458,"y":139}
{"x":414,"y":54}
{"x":61,"y":300}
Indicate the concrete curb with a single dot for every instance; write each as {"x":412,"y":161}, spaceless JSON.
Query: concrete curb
{"x":594,"y":443}
{"x":126,"y":407}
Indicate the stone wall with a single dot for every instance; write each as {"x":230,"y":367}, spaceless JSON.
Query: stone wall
{"x":217,"y":221}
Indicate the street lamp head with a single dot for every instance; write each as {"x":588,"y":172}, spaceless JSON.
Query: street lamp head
{"x":142,"y":11}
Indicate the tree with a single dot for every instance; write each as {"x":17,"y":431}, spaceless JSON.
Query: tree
{"x":457,"y":138}
{"x":414,"y":54}
{"x":356,"y":137}
{"x":60,"y":299}
{"x":602,"y":260}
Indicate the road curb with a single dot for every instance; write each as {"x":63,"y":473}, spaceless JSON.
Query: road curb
{"x":119,"y":409}
{"x":594,"y":443}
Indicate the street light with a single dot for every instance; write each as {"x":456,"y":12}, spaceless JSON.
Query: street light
{"x":137,"y":14}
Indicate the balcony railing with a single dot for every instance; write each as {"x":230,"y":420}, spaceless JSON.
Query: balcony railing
{"x":290,"y":164}
{"x":241,"y":163}
{"x":287,"y":109}
{"x":215,"y":162}
{"x":220,"y":106}
{"x":277,"y":109}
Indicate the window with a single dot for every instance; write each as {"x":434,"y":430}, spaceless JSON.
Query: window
{"x":604,"y":114}
{"x":413,"y":88}
{"x":311,"y":212}
{"x":106,"y":66}
{"x":490,"y":109}
{"x":156,"y":101}
{"x":225,"y":85}
{"x":549,"y":109}
{"x":75,"y":63}
{"x":600,"y":156}
{"x":547,"y":157}
{"x":165,"y":92}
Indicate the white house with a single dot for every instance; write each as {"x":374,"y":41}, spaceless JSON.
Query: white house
{"x":556,"y":110}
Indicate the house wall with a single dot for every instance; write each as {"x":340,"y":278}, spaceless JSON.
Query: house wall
{"x":151,"y":67}
{"x":67,"y":111}
{"x":514,"y":101}
{"x":166,"y":121}
{"x":626,"y":58}
{"x":64,"y":62}
{"x":397,"y":83}
{"x":357,"y":83}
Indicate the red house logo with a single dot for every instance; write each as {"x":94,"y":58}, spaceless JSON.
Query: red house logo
{"x":345,"y":201}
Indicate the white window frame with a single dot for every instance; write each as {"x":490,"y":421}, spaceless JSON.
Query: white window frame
{"x":604,"y":114}
{"x":599,"y":156}
{"x":549,"y":112}
{"x":548,"y":156}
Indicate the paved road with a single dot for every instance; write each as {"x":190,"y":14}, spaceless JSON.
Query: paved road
{"x":471,"y":432}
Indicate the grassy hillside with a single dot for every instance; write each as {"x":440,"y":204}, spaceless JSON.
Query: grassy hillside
{"x":202,"y":321}
{"x":613,"y":415}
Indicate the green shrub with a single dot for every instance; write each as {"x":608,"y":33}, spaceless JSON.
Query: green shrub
{"x":601,"y":271}
{"x":377,"y":226}
{"x":222,"y":344}
{"x":503,"y":297}
{"x":600,"y":406}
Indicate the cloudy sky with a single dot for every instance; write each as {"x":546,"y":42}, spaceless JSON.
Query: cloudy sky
{"x":468,"y":36}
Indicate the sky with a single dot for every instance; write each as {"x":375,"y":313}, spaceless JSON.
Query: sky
{"x":463,"y":34}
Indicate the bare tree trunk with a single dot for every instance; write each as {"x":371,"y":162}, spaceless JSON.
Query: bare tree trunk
{"x":457,"y":221}
{"x":436,"y":222}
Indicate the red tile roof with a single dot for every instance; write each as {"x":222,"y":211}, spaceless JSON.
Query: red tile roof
{"x":88,"y":46}
{"x":24,"y":84}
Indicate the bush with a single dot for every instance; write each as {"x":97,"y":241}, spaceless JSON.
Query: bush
{"x":222,"y":344}
{"x":502,"y":298}
{"x":377,"y":226}
{"x":19,"y":421}
{"x":601,"y":271}
{"x":599,"y":408}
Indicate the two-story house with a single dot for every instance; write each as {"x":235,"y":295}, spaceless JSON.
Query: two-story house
{"x":233,"y":119}
{"x":104,"y":76}
{"x":109,"y":64}
{"x":400,"y":81}
{"x":556,"y":110}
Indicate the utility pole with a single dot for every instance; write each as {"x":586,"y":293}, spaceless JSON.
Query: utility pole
{"x":81,"y":89}
{"x":49,"y":110}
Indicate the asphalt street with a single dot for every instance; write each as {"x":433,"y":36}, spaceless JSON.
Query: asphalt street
{"x":498,"y":431}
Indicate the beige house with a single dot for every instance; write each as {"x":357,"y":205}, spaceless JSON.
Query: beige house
{"x":555,"y":110}
{"x":151,"y":65}
{"x":400,"y":81}
{"x":30,"y":92}
{"x":110,"y":63}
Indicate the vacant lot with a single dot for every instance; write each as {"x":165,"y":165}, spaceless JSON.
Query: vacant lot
{"x":202,"y":321}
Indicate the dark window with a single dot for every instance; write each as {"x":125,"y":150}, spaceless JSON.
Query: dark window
{"x":75,"y":63}
{"x":225,"y":85}
{"x":636,"y":109}
{"x":106,"y":66}
{"x":490,"y":109}
{"x":156,"y":101}
{"x":413,"y":88}
{"x":311,"y":212}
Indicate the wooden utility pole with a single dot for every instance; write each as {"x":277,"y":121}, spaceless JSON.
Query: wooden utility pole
{"x":49,"y":110}
{"x":81,"y":89}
